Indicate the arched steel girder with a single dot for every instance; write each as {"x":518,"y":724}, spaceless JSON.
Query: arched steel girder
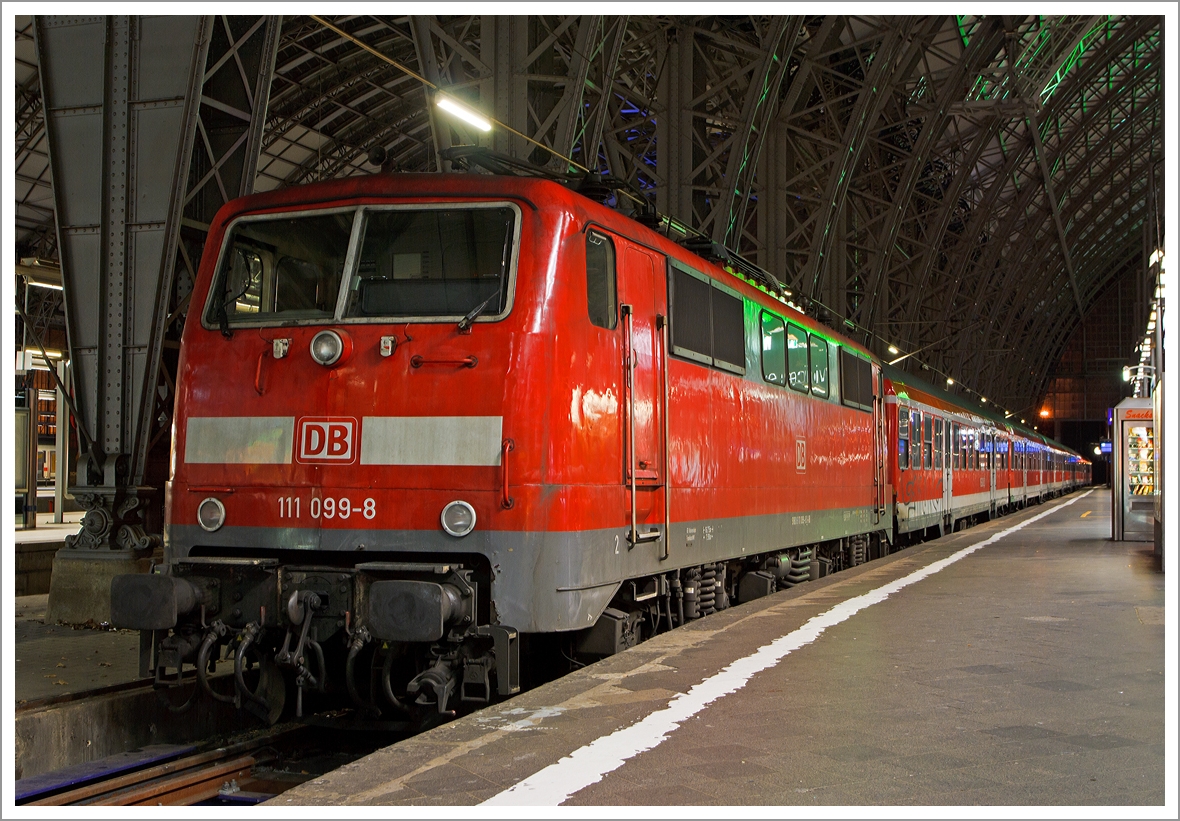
{"x":985,"y":207}
{"x":978,"y":54}
{"x":893,"y":59}
{"x":1001,"y":181}
{"x":1016,"y":215}
{"x":1033,"y":313}
{"x":1082,"y":195}
{"x":759,"y":108}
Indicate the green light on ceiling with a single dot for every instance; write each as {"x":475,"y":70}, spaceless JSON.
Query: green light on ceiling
{"x":1075,"y":56}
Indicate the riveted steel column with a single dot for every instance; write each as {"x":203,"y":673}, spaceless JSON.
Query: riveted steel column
{"x":506,"y":51}
{"x":120,"y":100}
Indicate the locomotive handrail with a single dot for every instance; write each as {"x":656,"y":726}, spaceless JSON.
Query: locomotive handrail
{"x":662,"y":322}
{"x":417,"y":361}
{"x":506,"y":447}
{"x":634,"y":537}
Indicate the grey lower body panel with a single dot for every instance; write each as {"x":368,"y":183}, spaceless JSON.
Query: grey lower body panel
{"x":543,"y":581}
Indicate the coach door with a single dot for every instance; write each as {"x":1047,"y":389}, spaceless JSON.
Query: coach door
{"x":643,"y":303}
{"x":991,"y":465}
{"x":943,"y":440}
{"x":881,"y":450}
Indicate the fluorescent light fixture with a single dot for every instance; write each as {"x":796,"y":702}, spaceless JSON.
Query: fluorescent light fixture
{"x":1126,"y":373}
{"x":1151,"y":325}
{"x":34,"y":283}
{"x":1156,"y":255}
{"x":464,"y":113}
{"x":893,"y":349}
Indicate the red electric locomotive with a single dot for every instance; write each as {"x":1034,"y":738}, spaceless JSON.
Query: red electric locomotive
{"x":422,"y":417}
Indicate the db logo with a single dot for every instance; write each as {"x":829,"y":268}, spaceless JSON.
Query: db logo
{"x":801,"y":455}
{"x":327,"y":439}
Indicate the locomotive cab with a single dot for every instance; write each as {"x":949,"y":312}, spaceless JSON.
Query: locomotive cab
{"x":339,"y":453}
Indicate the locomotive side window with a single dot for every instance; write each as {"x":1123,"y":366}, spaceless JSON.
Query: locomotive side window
{"x":903,"y":437}
{"x":729,"y":331}
{"x":426,"y":262}
{"x":797,"y":358}
{"x":708,"y":323}
{"x":856,"y":380}
{"x":692,"y":317}
{"x":774,"y":356}
{"x":281,"y":267}
{"x":819,"y":366}
{"x":600,"y":281}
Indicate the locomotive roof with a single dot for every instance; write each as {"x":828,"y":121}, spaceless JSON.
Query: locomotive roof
{"x":944,"y":396}
{"x":534,"y":191}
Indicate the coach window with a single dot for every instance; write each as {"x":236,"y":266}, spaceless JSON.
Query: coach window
{"x":600,"y":281}
{"x":955,"y":451}
{"x":927,"y":436}
{"x":819,"y":366}
{"x":938,"y":444}
{"x":774,"y":350}
{"x":797,"y":358}
{"x":903,"y":438}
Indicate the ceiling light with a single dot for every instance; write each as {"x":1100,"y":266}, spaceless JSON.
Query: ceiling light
{"x":1045,"y":413}
{"x":950,"y":381}
{"x":983,"y":400}
{"x":464,"y":113}
{"x":893,"y":349}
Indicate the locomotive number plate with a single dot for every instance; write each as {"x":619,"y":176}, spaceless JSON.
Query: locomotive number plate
{"x":293,"y":507}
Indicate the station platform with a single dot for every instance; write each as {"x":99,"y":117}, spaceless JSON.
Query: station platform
{"x":1020,"y":662}
{"x":36,"y":547}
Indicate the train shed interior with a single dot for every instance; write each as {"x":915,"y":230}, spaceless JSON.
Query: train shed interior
{"x":979,"y":204}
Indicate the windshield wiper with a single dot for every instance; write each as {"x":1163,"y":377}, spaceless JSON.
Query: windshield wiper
{"x":466,"y":322}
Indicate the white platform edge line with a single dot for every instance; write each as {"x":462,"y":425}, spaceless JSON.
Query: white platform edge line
{"x":588,"y":764}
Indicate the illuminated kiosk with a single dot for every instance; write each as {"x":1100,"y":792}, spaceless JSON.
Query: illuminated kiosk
{"x":1133,"y":487}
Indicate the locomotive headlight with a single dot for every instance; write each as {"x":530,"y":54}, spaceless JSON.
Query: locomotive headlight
{"x":327,"y":347}
{"x":458,"y":518}
{"x":211,"y":514}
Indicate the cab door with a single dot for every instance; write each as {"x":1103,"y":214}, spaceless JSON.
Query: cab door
{"x":643,"y":303}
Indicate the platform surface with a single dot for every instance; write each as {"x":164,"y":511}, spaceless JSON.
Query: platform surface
{"x":1027,"y":672}
{"x":49,"y":531}
{"x":54,"y":660}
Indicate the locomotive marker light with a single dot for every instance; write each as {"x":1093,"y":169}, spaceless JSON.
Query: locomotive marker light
{"x":211,"y":514}
{"x":458,"y":518}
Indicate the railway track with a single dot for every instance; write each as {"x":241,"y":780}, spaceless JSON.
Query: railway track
{"x":170,"y":777}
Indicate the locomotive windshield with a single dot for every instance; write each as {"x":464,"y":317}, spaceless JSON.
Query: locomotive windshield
{"x":282,"y":268}
{"x":437,"y":262}
{"x":399,"y":262}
